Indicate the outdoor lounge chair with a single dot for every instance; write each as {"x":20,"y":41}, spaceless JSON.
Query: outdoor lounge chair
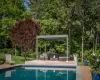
{"x":8,"y":59}
{"x":63,"y":57}
{"x":43,"y":57}
{"x":53,"y":57}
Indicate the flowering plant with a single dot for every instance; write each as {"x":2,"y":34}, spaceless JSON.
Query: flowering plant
{"x":95,"y":63}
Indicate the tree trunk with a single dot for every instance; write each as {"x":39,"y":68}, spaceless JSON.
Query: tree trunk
{"x":93,"y":47}
{"x":69,"y":40}
{"x":83,"y":44}
{"x":21,"y":50}
{"x":96,"y":42}
{"x":25,"y":55}
{"x":82,"y":48}
{"x":15,"y":50}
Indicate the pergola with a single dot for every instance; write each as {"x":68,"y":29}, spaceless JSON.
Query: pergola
{"x":52,"y":37}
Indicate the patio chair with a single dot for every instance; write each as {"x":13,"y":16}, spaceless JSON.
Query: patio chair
{"x":8,"y":59}
{"x":43,"y":56}
{"x":75,"y":58}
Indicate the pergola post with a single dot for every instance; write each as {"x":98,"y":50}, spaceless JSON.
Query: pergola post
{"x":36,"y":48}
{"x":67,"y":47}
{"x":45,"y":48}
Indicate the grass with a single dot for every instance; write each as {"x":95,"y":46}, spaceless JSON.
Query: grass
{"x":17,"y":59}
{"x":80,"y":63}
{"x":20,"y":59}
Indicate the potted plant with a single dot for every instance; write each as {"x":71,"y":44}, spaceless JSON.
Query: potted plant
{"x":86,"y":62}
{"x":86,"y":57}
{"x":95,"y":66}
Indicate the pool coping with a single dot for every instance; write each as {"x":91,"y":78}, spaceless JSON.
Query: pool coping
{"x":9,"y":68}
{"x":39,"y":66}
{"x":78,"y":73}
{"x":49,"y":66}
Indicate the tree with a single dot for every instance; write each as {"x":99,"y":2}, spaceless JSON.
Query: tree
{"x":78,"y":18}
{"x":23,"y":34}
{"x":10,"y":12}
{"x":52,"y":16}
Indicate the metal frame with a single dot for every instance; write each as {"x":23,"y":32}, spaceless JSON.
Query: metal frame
{"x":52,"y":37}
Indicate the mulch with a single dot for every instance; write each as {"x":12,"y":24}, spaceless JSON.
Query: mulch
{"x":86,"y":74}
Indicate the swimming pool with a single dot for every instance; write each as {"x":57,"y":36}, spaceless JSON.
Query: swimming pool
{"x":38,"y":73}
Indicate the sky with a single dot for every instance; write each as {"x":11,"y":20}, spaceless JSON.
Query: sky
{"x":25,"y":3}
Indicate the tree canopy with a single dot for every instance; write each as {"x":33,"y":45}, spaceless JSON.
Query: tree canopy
{"x":10,"y":12}
{"x":23,"y":33}
{"x":80,"y":19}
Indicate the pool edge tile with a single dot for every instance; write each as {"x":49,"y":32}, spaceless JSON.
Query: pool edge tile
{"x":78,"y":73}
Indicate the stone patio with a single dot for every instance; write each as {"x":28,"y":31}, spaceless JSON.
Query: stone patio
{"x":52,"y":63}
{"x":5,"y":66}
{"x":86,"y":74}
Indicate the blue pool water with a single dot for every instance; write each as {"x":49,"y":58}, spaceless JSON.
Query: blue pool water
{"x":25,"y":73}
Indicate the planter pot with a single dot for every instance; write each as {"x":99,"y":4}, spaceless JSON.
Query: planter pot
{"x":95,"y":76}
{"x":86,"y":63}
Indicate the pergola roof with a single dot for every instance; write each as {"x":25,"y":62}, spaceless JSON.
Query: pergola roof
{"x":53,"y":37}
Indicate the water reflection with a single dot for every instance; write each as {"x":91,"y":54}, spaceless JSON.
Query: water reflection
{"x":38,"y":74}
{"x":8,"y":74}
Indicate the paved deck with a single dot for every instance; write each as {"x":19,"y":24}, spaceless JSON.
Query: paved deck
{"x":86,"y":74}
{"x":2,"y":66}
{"x":52,"y":63}
{"x":5,"y":66}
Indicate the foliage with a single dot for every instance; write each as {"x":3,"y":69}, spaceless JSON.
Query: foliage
{"x":87,"y":54}
{"x":95,"y":62}
{"x":76,"y":18}
{"x":49,"y":26}
{"x":23,"y":34}
{"x":10,"y":12}
{"x":7,"y":51}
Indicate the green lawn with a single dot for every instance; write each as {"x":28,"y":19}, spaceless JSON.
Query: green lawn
{"x":17,"y":59}
{"x":80,"y":63}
